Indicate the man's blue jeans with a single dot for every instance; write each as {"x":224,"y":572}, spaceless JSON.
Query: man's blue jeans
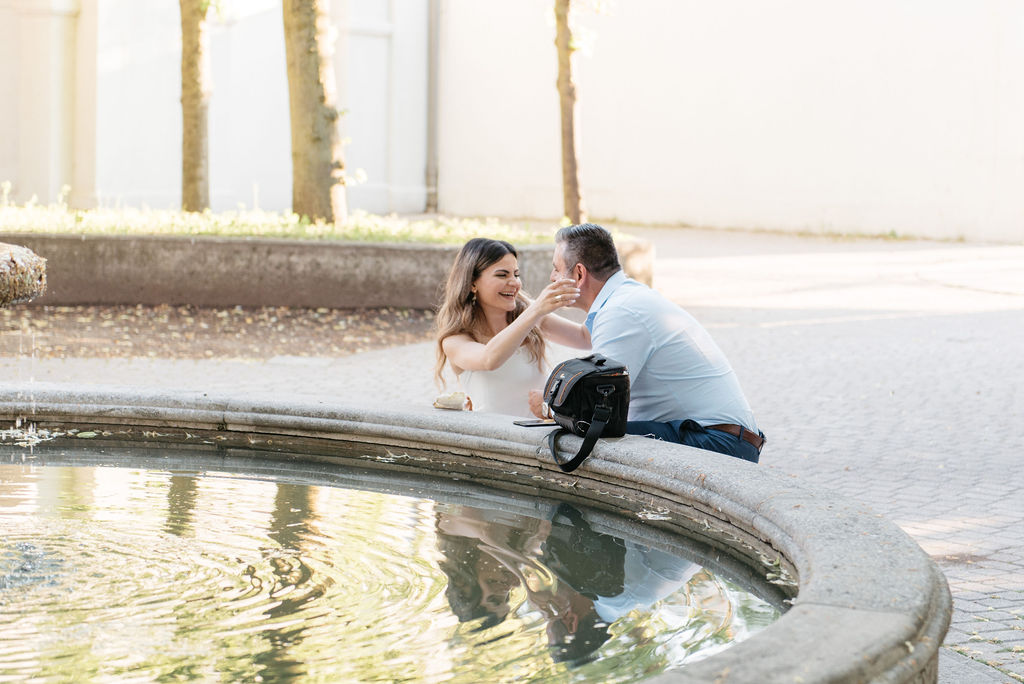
{"x":693,"y":434}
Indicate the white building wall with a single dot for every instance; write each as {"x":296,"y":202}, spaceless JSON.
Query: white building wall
{"x":107,"y":120}
{"x":498,"y":118}
{"x":866,"y":117}
{"x":138,"y":104}
{"x":37,"y":42}
{"x":84,"y":106}
{"x":9,"y":76}
{"x":250,"y":141}
{"x":383,"y":74}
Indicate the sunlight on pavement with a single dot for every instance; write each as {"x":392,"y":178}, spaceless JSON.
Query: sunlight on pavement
{"x":927,"y":280}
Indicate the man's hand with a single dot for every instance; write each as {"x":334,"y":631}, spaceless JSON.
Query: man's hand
{"x":537,"y":403}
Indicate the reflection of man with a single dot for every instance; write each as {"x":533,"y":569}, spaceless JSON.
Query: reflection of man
{"x":609,"y":577}
{"x":593,"y":578}
{"x":582,"y":626}
{"x":576,"y":631}
{"x":650,"y":575}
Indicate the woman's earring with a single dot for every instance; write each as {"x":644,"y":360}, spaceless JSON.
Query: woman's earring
{"x":472,"y":299}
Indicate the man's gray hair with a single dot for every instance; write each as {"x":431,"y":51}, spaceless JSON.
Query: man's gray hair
{"x":591,"y":245}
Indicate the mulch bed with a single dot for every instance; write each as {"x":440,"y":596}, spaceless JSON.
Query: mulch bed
{"x":188,"y":332}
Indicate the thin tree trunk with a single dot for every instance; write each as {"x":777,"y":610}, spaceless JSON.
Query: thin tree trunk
{"x":318,"y":167}
{"x":573,"y":202}
{"x":195,"y":105}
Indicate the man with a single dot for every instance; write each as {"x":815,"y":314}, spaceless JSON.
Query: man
{"x":682,"y":388}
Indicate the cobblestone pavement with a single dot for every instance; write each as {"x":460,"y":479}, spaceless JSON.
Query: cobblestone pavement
{"x":888,"y":371}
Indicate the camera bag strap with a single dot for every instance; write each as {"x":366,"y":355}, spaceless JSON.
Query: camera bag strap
{"x":602,"y":413}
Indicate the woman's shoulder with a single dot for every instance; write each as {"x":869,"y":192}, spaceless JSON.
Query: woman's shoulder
{"x":456,"y":339}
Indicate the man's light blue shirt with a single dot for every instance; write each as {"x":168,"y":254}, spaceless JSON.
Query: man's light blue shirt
{"x":676,"y":371}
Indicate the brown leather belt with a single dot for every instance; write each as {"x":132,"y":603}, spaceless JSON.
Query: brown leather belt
{"x":756,"y":440}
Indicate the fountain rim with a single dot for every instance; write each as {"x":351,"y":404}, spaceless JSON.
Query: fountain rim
{"x":870,"y":606}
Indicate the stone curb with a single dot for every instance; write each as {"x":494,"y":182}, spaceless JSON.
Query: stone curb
{"x":869,"y":605}
{"x":223,"y":272}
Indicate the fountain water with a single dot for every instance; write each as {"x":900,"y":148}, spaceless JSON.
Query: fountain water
{"x":254,"y":568}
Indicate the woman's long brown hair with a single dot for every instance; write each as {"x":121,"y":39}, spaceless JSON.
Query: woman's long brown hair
{"x":458,"y":314}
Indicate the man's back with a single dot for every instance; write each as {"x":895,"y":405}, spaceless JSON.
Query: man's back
{"x":676,"y":368}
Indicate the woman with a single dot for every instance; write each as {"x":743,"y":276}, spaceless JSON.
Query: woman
{"x":493,"y":336}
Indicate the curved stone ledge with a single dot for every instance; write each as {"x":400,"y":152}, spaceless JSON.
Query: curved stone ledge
{"x":868,"y":604}
{"x":210,"y":271}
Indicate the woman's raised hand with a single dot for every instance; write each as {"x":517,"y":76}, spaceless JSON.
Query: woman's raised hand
{"x":562,"y":292}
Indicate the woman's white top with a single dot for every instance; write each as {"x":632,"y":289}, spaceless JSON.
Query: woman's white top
{"x":505,"y":389}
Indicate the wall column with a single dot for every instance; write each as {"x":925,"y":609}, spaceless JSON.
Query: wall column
{"x":46,"y":89}
{"x":83,"y":134}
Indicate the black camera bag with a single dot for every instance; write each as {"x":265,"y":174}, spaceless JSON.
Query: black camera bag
{"x":589,"y":397}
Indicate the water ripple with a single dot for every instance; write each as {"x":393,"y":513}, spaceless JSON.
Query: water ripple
{"x":123,"y":575}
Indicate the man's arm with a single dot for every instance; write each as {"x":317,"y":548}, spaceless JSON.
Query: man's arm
{"x":623,"y":336}
{"x":565,"y":332}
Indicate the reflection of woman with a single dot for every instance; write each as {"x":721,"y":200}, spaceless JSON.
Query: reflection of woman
{"x":479,"y":587}
{"x":474,"y":544}
{"x":492,"y":335}
{"x":559,"y":588}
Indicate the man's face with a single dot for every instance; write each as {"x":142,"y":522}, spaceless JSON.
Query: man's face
{"x":560,"y":269}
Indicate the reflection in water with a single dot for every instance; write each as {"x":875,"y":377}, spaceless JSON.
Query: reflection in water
{"x":294,"y":585}
{"x":580,"y":580}
{"x":479,"y":586}
{"x":589,"y":566}
{"x":75,"y":493}
{"x":115,"y":573}
{"x":181,"y":500}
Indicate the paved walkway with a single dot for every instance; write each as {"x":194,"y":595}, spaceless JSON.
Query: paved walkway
{"x":888,"y":371}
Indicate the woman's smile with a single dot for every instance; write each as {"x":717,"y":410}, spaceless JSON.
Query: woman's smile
{"x":499,"y":284}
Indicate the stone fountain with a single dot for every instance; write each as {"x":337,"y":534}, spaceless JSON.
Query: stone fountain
{"x":22,"y":274}
{"x":868,"y":605}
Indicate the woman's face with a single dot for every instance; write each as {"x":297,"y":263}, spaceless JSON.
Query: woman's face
{"x":499,"y":284}
{"x":496,"y":583}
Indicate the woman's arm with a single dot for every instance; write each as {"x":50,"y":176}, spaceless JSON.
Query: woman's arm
{"x":465,"y":353}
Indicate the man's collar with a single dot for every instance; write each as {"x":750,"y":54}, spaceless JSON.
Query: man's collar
{"x":609,"y":286}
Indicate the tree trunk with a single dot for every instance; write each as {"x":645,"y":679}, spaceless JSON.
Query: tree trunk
{"x":573,"y":202}
{"x":318,"y":168}
{"x":195,"y":105}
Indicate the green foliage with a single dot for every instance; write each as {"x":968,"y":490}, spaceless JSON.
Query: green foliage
{"x":362,"y":227}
